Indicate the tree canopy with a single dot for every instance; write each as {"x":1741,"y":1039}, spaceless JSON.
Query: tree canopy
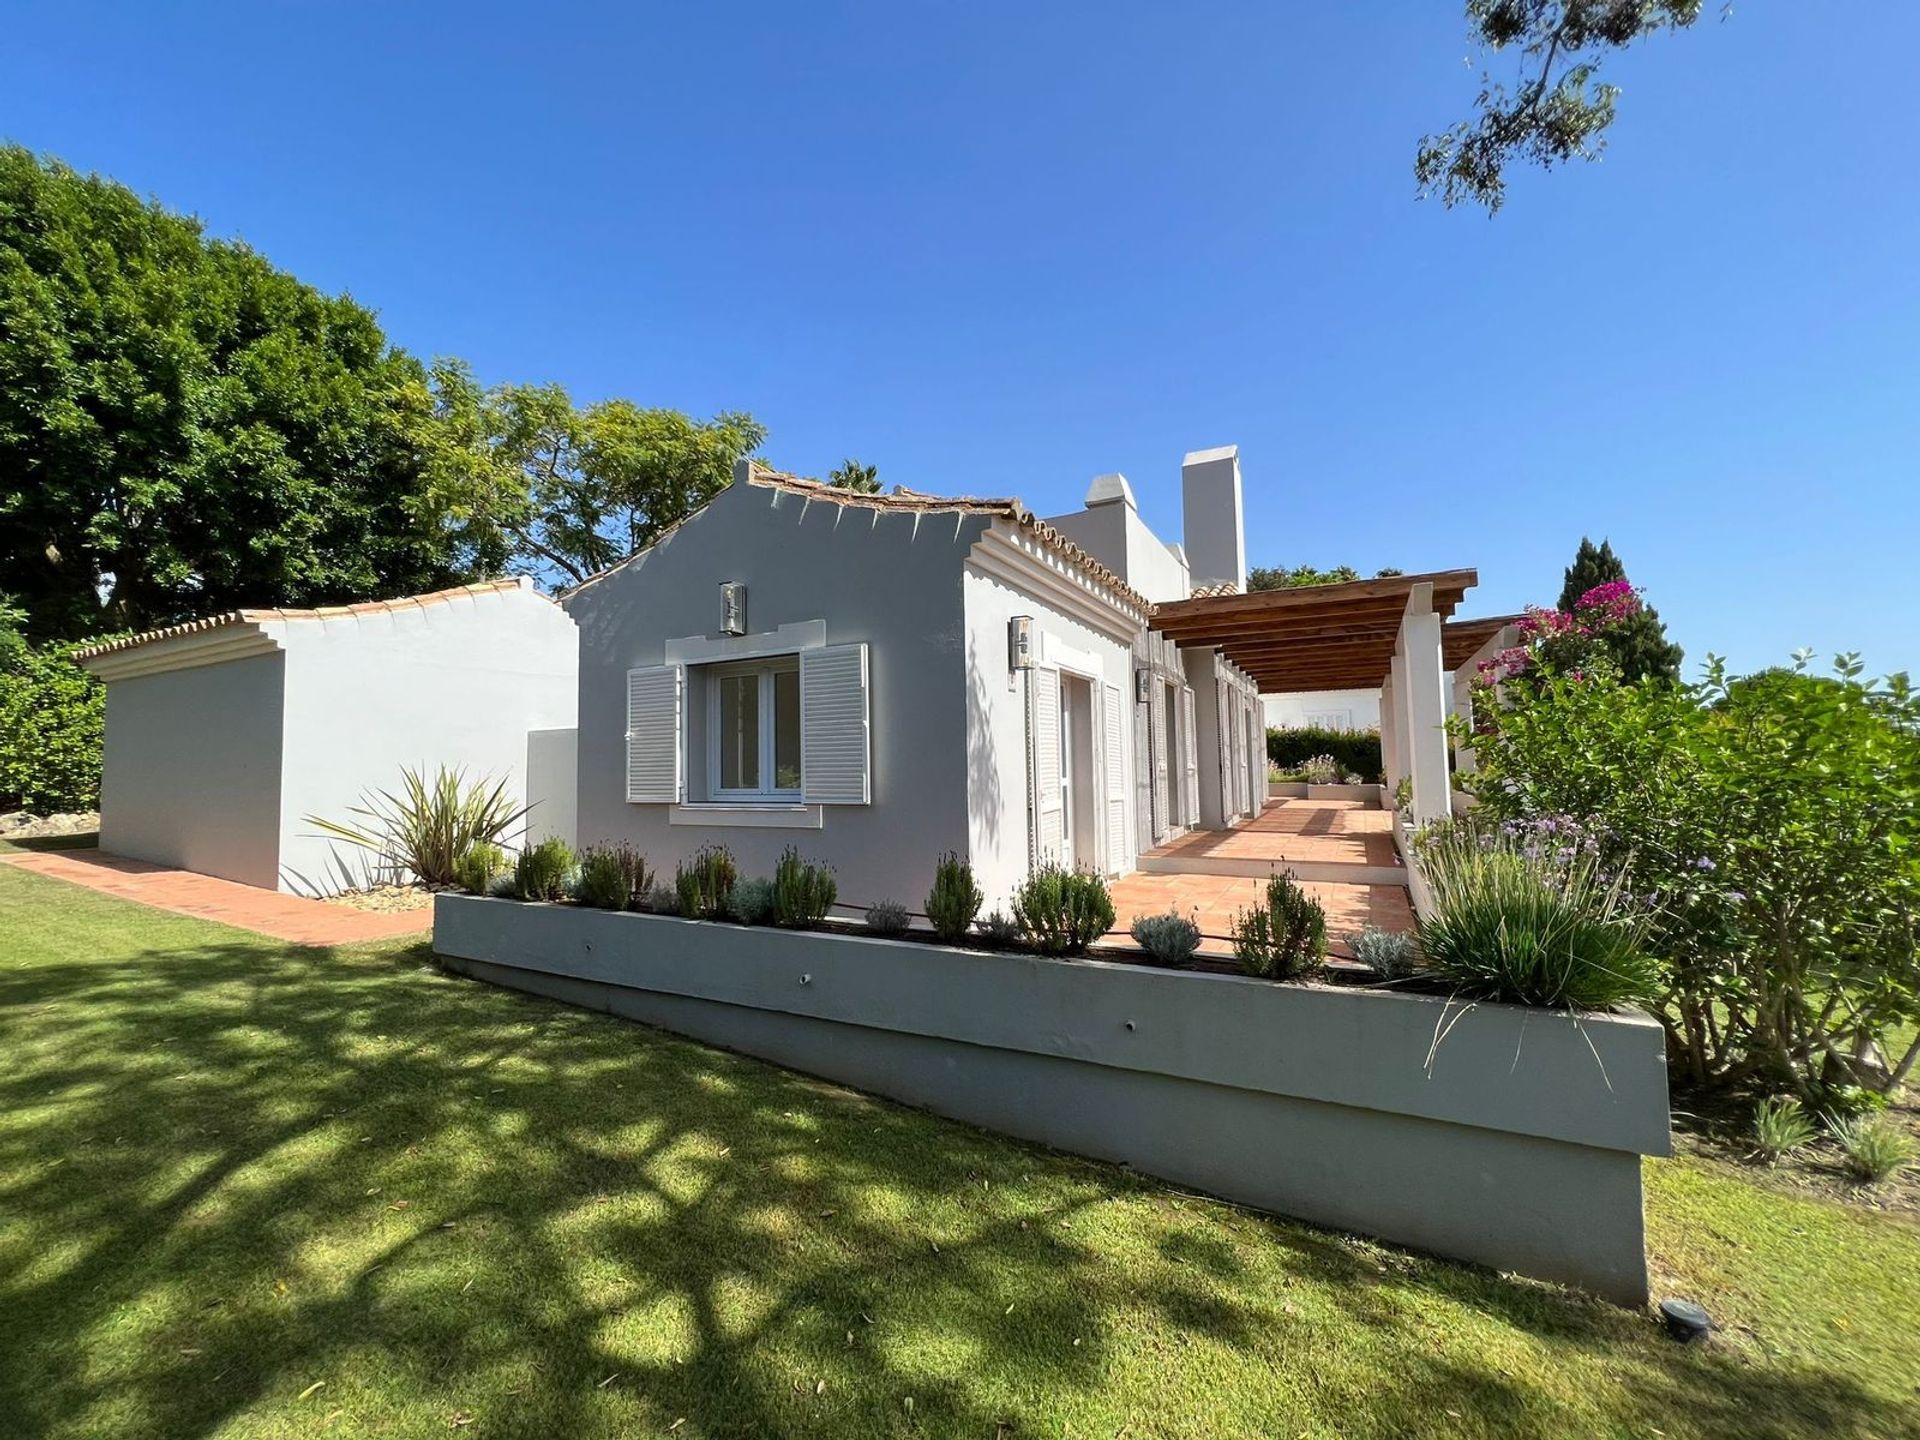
{"x":1282,"y":577}
{"x":185,"y":429}
{"x":1638,"y":644}
{"x":850,"y":474}
{"x":1555,"y":110}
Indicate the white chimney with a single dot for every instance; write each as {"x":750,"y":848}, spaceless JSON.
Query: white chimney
{"x":1215,"y":536}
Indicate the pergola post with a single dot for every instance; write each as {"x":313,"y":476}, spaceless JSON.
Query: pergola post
{"x":1463,"y":685}
{"x":1393,"y":760}
{"x":1420,"y":671}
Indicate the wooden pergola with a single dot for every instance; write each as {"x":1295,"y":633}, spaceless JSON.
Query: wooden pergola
{"x":1394,"y":634}
{"x":1317,"y":637}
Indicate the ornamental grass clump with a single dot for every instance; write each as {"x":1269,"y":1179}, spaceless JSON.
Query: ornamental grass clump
{"x":705,"y":881}
{"x":954,"y":900}
{"x":1514,"y":923}
{"x":477,"y":866}
{"x":1286,"y":938}
{"x":802,"y":892}
{"x":1169,"y":939}
{"x":1872,"y":1146}
{"x":544,"y":871}
{"x":1780,"y":1127}
{"x":1061,"y":912}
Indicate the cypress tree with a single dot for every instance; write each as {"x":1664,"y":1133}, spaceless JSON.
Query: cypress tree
{"x":1640,"y":646}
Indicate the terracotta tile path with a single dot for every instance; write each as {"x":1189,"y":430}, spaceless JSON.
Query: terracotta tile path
{"x":1351,"y":832}
{"x":267,"y":912}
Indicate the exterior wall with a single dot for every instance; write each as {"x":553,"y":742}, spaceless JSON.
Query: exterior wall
{"x":1000,"y":834}
{"x":1290,"y":711}
{"x":1224,"y":767}
{"x":1212,"y":531}
{"x":1153,"y":736}
{"x":553,"y":785}
{"x":889,"y":579}
{"x":1115,"y":535}
{"x":192,"y":768}
{"x":459,"y":683}
{"x":1514,"y":1142}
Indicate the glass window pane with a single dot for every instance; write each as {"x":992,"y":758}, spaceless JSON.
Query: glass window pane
{"x":739,"y":732}
{"x":786,"y":729}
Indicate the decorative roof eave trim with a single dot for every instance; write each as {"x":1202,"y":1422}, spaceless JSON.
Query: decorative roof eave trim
{"x":1008,"y":551}
{"x":227,"y":638}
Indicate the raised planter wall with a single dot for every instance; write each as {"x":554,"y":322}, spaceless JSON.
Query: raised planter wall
{"x":1506,"y":1145}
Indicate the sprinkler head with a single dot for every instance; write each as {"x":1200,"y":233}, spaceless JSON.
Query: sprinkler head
{"x":1685,"y":1321}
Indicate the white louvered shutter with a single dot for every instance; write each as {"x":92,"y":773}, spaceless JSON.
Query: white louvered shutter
{"x":836,"y":743}
{"x":1049,"y":816}
{"x":1191,"y":758}
{"x":655,"y":754}
{"x":1223,"y":747}
{"x":1162,"y":760}
{"x":1118,"y":854}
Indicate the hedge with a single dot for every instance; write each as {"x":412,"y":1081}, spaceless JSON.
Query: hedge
{"x":1357,"y":752}
{"x":52,"y":722}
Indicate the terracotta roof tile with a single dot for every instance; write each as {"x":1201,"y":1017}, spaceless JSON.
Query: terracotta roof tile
{"x":324,"y":612}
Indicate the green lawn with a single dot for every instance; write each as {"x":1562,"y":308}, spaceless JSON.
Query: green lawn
{"x":252,"y":1190}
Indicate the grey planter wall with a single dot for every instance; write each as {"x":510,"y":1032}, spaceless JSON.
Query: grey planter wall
{"x":1516,"y":1142}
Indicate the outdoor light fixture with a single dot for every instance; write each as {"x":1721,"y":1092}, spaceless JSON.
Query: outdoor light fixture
{"x":1142,"y":686}
{"x":733,"y":608}
{"x":1020,"y":643}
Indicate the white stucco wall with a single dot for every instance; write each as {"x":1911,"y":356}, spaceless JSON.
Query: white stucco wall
{"x":998,"y":782}
{"x":1115,"y":535}
{"x":458,"y":683}
{"x":1356,"y":709}
{"x":192,"y":769}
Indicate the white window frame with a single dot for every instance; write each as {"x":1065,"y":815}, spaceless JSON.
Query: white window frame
{"x":766,"y":667}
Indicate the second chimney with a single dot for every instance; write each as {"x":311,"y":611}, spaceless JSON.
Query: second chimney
{"x":1215,"y":537}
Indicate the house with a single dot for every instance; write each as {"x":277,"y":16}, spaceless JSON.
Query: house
{"x":882,"y":679}
{"x":224,"y":734}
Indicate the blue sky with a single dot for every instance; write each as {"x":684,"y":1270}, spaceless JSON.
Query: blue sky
{"x":1003,"y":247}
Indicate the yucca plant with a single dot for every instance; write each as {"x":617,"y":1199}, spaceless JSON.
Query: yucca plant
{"x":1061,"y":912}
{"x":1873,"y":1146}
{"x":422,"y":830}
{"x":1780,"y":1127}
{"x":1531,"y":929}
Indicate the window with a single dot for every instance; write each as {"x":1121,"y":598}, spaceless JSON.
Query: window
{"x":753,"y":732}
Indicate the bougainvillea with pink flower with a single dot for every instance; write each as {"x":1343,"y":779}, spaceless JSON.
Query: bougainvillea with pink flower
{"x":1566,"y":643}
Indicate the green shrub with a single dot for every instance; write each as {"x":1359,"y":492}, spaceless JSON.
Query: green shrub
{"x":1780,"y":1126}
{"x":705,"y":881}
{"x":503,"y":886}
{"x":661,"y":899}
{"x":1061,"y":911}
{"x":802,"y":892}
{"x":954,"y":900}
{"x":543,"y":871}
{"x":1356,"y":751}
{"x":1393,"y":953}
{"x":477,"y":866}
{"x":604,"y":881}
{"x":1513,"y":923}
{"x":887,"y":917}
{"x":1874,"y":1146}
{"x":1170,"y":939}
{"x":52,"y":724}
{"x":1000,"y":930}
{"x":1284,"y":939}
{"x":751,"y":902}
{"x":1320,"y":770}
{"x":426,"y":827}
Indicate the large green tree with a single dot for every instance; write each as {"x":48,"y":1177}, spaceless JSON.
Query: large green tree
{"x":1639,"y":644}
{"x":1555,"y":109}
{"x":184,"y":428}
{"x":517,"y":476}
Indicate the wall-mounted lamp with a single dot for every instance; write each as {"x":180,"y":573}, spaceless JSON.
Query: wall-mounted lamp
{"x":1020,"y":642}
{"x":733,"y":607}
{"x":1142,"y":686}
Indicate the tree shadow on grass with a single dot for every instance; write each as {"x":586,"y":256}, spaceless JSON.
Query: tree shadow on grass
{"x":233,"y":1171}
